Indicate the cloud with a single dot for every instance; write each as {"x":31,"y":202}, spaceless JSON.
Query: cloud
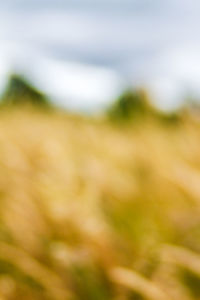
{"x":146,"y":40}
{"x":68,"y":84}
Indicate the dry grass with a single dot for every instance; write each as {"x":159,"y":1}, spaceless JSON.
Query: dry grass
{"x":89,"y":210}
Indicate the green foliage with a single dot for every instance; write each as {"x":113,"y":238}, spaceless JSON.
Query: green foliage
{"x":169,"y":118}
{"x":131,"y":104}
{"x":20,"y":91}
{"x":134,"y":105}
{"x":90,"y":284}
{"x":191,"y":281}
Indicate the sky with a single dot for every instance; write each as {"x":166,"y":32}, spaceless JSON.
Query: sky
{"x":83,"y":53}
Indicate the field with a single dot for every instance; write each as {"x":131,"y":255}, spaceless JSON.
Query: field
{"x":94,"y":210}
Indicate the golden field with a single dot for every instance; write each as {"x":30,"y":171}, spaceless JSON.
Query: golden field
{"x":92,"y":210}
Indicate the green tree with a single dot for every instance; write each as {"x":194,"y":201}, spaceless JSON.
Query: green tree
{"x":131,"y":104}
{"x":20,"y":91}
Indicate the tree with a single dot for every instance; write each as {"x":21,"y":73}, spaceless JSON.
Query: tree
{"x":20,"y":91}
{"x":131,"y":104}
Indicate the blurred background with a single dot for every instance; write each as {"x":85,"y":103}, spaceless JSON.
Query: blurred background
{"x":101,"y":46}
{"x":99,"y":150}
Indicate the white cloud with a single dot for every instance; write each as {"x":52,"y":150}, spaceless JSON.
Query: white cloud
{"x":70,"y":85}
{"x":154,"y":42}
{"x":75,"y":85}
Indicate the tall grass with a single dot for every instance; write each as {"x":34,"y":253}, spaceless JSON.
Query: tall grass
{"x":91,"y":210}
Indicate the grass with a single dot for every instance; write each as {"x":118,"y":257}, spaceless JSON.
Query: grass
{"x":98,"y":211}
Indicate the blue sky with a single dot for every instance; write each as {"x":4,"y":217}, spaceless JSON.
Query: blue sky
{"x":143,"y":42}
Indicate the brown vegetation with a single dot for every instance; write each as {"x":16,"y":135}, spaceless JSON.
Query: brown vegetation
{"x":90,"y":210}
